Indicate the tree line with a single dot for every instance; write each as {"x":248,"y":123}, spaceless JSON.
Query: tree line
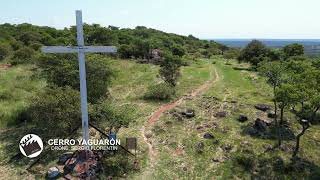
{"x":20,"y":42}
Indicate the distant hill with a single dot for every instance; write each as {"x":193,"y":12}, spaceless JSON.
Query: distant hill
{"x":312,"y":46}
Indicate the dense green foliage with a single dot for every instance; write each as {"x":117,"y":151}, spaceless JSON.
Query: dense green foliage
{"x":170,"y":69}
{"x":56,"y":111}
{"x":109,"y":115}
{"x":63,"y":70}
{"x":231,"y":53}
{"x":162,"y":91}
{"x":293,"y":50}
{"x":254,"y":53}
{"x":132,"y":43}
{"x":4,"y":51}
{"x":296,"y":86}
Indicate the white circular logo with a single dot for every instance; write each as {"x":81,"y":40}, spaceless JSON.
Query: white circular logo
{"x":31,"y":145}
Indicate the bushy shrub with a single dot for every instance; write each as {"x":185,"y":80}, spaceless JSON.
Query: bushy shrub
{"x":22,"y":55}
{"x":162,"y":91}
{"x":56,"y":111}
{"x":178,"y":50}
{"x":231,"y":53}
{"x":4,"y":51}
{"x":294,"y":49}
{"x":254,"y":53}
{"x":35,"y":46}
{"x":63,"y":70}
{"x":247,"y":161}
{"x":170,"y":69}
{"x":105,"y":114}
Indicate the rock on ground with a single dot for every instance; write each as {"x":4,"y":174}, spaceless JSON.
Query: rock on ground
{"x":262,"y":107}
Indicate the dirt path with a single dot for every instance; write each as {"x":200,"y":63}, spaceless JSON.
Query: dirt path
{"x":157,"y":114}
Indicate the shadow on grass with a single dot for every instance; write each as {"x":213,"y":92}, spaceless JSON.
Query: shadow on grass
{"x":244,"y":69}
{"x":270,"y":132}
{"x":10,"y":139}
{"x":272,"y":166}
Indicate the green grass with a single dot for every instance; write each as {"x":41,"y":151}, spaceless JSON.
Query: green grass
{"x":247,"y":89}
{"x":17,"y":86}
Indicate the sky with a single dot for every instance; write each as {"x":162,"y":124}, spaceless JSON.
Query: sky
{"x":206,"y":19}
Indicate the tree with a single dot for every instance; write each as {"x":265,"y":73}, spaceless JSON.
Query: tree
{"x":63,"y":70}
{"x":29,"y":36}
{"x":286,"y":95}
{"x":23,"y":55}
{"x":293,"y":50}
{"x":104,"y":113}
{"x":178,"y":50}
{"x":141,"y":48}
{"x":232,"y":53}
{"x":125,"y":51}
{"x":102,"y":36}
{"x":4,"y":51}
{"x":276,"y":55}
{"x":254,"y":53}
{"x":170,"y":69}
{"x":305,"y":79}
{"x":307,"y":114}
{"x":56,"y":111}
{"x":161,"y":91}
{"x":273,"y":71}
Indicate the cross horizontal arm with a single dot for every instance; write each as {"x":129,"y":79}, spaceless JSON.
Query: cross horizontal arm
{"x":75,"y":49}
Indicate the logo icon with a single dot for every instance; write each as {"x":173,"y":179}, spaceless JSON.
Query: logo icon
{"x":31,"y":145}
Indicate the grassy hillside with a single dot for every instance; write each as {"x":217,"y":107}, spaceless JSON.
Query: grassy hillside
{"x":232,"y":154}
{"x":17,"y":85}
{"x":127,"y":89}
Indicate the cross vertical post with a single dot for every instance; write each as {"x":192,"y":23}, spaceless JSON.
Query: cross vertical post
{"x":82,"y":73}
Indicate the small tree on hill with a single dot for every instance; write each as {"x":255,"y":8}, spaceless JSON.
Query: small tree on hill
{"x":56,"y":111}
{"x":254,"y":53}
{"x":23,"y":55}
{"x":274,"y":72}
{"x":310,"y":90}
{"x":170,"y":69}
{"x":4,"y":51}
{"x":178,"y":50}
{"x":63,"y":70}
{"x":286,"y":95}
{"x":293,"y":50}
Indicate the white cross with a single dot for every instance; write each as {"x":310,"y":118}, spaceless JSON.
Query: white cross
{"x":81,"y":50}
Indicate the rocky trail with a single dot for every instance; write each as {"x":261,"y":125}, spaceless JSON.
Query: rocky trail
{"x":152,"y":153}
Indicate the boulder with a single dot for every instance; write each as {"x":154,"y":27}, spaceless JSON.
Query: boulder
{"x":268,"y":147}
{"x":221,"y":114}
{"x":262,"y":107}
{"x":227,"y":147}
{"x":188,"y":113}
{"x":64,"y":157}
{"x":177,"y":116}
{"x":53,"y":172}
{"x":243,"y":118}
{"x":208,"y":136}
{"x":199,"y":147}
{"x":148,"y":135}
{"x":200,"y":128}
{"x":260,"y":124}
{"x":271,"y":114}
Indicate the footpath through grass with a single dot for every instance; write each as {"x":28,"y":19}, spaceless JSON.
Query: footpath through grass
{"x":231,"y":154}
